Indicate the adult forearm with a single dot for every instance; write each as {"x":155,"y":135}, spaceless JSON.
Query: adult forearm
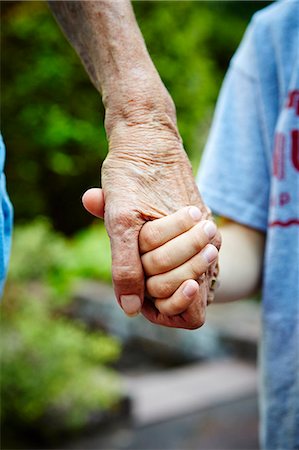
{"x":146,"y":174}
{"x":107,"y":38}
{"x":240,"y":262}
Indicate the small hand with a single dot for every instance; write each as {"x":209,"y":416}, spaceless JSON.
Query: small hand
{"x":176,"y":253}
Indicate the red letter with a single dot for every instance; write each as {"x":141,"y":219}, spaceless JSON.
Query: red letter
{"x":295,"y":148}
{"x":284,"y":198}
{"x":293,"y":101}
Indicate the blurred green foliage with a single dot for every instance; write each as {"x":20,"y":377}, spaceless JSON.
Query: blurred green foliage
{"x":39,"y":253}
{"x":50,"y":366}
{"x":52,"y":116}
{"x":52,"y":119}
{"x":53,"y":369}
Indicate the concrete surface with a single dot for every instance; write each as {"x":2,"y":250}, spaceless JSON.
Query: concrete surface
{"x":173,"y":393}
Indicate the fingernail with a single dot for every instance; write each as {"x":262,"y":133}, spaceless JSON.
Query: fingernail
{"x":210,"y":253}
{"x":131,"y":304}
{"x":190,"y":289}
{"x":210,"y":229}
{"x":195,"y":213}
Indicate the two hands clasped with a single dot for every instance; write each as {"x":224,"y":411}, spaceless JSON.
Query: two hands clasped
{"x":175,"y":251}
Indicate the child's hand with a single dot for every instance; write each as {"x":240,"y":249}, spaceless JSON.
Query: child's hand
{"x":176,"y":252}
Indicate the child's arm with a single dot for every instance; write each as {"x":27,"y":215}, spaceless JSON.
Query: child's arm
{"x":240,"y":260}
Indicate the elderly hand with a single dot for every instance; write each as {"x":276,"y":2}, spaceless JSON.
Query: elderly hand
{"x":145,"y":176}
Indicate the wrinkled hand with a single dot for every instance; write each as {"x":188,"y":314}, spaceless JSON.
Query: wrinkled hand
{"x":146,"y":176}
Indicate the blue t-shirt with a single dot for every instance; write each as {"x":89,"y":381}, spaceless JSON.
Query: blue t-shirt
{"x":6,"y":219}
{"x":250,"y":173}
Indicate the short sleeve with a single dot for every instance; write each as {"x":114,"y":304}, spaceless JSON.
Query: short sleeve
{"x":233,"y":176}
{"x":6,"y":221}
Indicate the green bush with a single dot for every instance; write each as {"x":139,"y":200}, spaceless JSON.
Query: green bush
{"x":52,"y":118}
{"x":51,"y":367}
{"x":89,"y":254}
{"x":40,"y":253}
{"x":37,"y":252}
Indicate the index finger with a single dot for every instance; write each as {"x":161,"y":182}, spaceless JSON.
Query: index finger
{"x":128,"y":278}
{"x":157,"y":232}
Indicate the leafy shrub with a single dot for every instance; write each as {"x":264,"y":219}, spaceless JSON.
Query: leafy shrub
{"x":37,"y":252}
{"x":40,"y":253}
{"x":53,"y":367}
{"x":89,"y":254}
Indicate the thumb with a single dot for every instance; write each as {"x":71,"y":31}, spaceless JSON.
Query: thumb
{"x":93,"y":202}
{"x":127,"y":271}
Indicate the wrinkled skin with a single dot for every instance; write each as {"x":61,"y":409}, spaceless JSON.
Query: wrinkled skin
{"x":146,"y":176}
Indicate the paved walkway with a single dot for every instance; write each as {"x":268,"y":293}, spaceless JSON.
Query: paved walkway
{"x":210,"y":406}
{"x":165,"y":395}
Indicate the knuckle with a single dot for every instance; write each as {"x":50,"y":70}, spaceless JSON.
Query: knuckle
{"x":119,"y":216}
{"x":160,"y":260}
{"x":198,"y":238}
{"x":125,"y":275}
{"x":183,"y":220}
{"x":156,"y":260}
{"x":158,"y":289}
{"x":164,"y":289}
{"x":122,"y":226}
{"x":195,"y":268}
{"x":150,"y":236}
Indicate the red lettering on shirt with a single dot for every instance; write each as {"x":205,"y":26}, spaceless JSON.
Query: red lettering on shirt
{"x":281,"y":199}
{"x":284,"y":198}
{"x":295,"y":148}
{"x":281,"y":223}
{"x":285,"y":162}
{"x":279,"y":153}
{"x":293,"y":100}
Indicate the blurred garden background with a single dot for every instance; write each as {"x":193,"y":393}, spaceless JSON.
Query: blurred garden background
{"x":53,"y":363}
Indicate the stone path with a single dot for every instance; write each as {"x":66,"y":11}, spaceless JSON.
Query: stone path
{"x":165,"y":395}
{"x":210,"y":406}
{"x":227,"y":427}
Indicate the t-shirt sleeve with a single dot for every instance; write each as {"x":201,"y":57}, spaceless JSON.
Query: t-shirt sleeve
{"x":233,"y":176}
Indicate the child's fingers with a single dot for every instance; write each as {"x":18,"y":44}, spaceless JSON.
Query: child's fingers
{"x":164,"y":285}
{"x":178,"y":250}
{"x":156,"y":232}
{"x":180,"y":300}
